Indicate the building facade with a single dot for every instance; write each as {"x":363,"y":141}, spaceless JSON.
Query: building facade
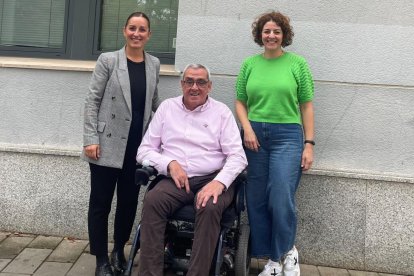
{"x":356,"y":207}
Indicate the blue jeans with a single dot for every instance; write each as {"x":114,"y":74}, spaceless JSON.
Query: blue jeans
{"x":273,"y":176}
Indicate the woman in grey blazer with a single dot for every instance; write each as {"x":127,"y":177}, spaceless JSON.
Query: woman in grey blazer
{"x":122,"y":96}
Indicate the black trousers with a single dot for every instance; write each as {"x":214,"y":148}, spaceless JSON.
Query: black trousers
{"x":104,"y":180}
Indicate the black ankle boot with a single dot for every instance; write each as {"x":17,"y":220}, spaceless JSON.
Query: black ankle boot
{"x":104,"y":270}
{"x":118,"y":262}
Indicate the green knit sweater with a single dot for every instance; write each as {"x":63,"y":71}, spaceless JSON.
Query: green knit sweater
{"x":272,"y":89}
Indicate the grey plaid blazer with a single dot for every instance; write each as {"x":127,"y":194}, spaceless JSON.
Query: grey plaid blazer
{"x":107,"y":113}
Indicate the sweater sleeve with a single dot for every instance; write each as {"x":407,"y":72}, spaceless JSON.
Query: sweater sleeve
{"x":241,"y":82}
{"x":304,"y":80}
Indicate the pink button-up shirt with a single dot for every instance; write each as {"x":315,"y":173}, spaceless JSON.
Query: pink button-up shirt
{"x":203,"y":141}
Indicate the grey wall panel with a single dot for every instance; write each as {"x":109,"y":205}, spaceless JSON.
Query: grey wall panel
{"x":355,"y":42}
{"x":364,"y":128}
{"x":331,"y":221}
{"x":44,"y":108}
{"x":390,"y":227}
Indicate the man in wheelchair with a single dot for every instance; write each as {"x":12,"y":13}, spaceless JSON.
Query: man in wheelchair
{"x":194,"y":141}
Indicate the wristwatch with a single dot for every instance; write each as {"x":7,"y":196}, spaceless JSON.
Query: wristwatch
{"x":310,"y":142}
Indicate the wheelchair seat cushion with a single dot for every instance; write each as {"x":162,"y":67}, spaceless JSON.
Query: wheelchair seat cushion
{"x":187,"y":214}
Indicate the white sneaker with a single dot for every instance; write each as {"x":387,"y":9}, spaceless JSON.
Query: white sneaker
{"x":272,"y":269}
{"x":291,"y":263}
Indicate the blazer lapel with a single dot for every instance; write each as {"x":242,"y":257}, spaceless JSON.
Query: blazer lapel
{"x":123,"y":78}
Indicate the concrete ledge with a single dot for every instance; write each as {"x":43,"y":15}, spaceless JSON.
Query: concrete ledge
{"x":72,"y":151}
{"x":65,"y":65}
{"x":363,"y":175}
{"x":36,"y":149}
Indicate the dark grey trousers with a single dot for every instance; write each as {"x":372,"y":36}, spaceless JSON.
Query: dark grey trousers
{"x":161,"y":202}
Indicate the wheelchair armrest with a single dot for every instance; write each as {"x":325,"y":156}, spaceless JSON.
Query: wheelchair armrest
{"x":242,"y":176}
{"x":143,"y":175}
{"x":240,"y":183}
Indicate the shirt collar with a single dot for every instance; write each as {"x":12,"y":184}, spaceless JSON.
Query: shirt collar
{"x":200,"y":108}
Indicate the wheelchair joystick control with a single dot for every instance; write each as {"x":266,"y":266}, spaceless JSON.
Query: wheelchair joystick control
{"x":144,"y":173}
{"x":146,"y":163}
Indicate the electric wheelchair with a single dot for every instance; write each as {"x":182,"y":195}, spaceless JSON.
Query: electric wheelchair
{"x":232,"y":254}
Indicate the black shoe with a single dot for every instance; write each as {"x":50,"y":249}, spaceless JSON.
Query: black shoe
{"x":104,"y":270}
{"x":118,"y":262}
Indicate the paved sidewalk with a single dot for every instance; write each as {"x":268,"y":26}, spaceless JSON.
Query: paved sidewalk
{"x":24,"y":254}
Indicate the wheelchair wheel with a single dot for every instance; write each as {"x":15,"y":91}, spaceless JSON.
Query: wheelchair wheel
{"x":242,"y":260}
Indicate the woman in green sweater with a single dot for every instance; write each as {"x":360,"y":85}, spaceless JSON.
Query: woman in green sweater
{"x":274,"y":106}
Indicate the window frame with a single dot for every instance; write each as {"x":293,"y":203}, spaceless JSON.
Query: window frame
{"x":165,"y":57}
{"x":79,"y":43}
{"x":34,"y":51}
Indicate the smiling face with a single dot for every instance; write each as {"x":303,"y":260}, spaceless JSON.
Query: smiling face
{"x":137,"y":32}
{"x":272,"y":37}
{"x":196,"y":86}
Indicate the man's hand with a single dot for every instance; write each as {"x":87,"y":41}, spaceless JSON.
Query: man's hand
{"x":93,"y":151}
{"x":213,"y":189}
{"x":179,"y":176}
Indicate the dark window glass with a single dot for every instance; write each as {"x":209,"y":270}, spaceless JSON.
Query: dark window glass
{"x":163,"y":16}
{"x":27,"y":23}
{"x":82,"y":29}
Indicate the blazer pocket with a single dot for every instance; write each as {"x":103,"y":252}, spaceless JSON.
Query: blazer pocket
{"x":101,"y":126}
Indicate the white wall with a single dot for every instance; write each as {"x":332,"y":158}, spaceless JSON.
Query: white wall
{"x":361,"y":57}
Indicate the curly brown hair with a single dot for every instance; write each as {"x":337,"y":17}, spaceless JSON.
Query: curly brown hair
{"x":281,"y":20}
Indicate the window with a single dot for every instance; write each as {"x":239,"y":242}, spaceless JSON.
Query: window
{"x":24,"y":26}
{"x":163,"y":17}
{"x":74,"y":29}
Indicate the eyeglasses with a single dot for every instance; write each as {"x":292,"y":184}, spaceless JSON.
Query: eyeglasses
{"x":200,"y":83}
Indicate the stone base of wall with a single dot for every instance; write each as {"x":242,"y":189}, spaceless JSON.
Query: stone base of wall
{"x":356,"y":223}
{"x":345,"y":220}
